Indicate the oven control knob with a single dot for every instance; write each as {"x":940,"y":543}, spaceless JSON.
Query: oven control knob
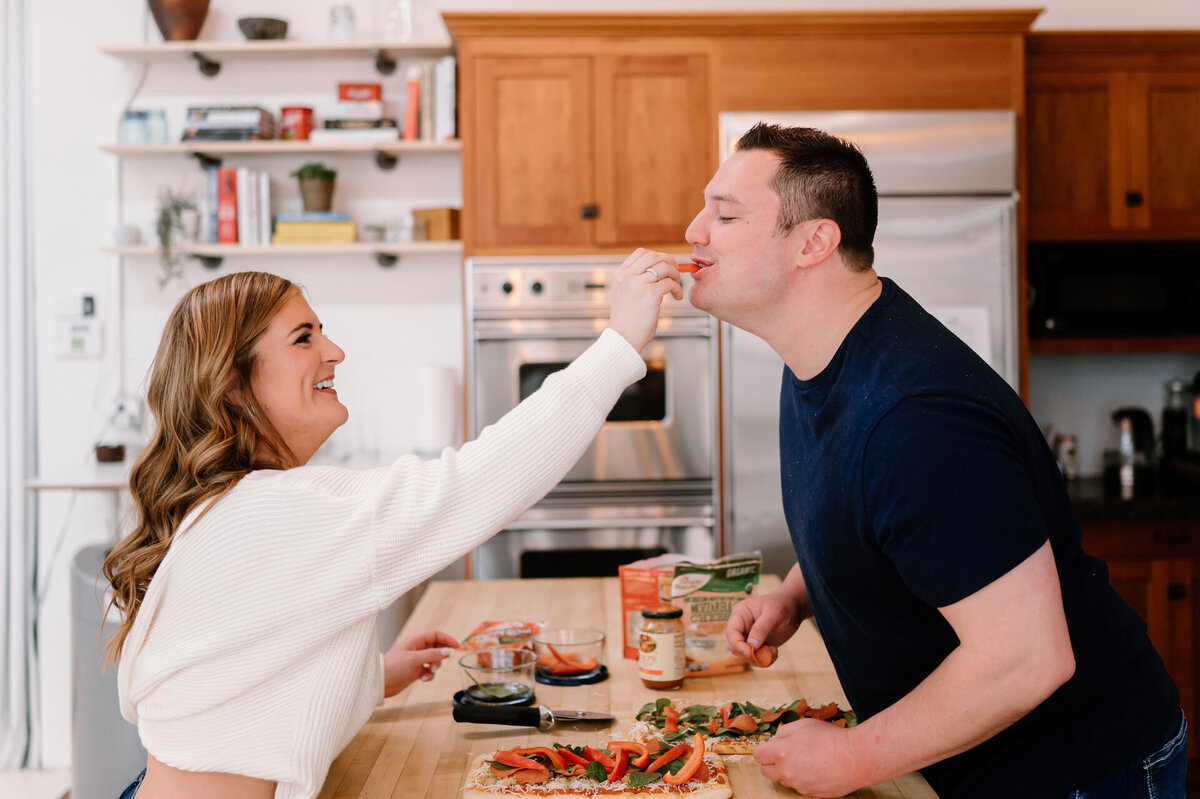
{"x":536,"y":287}
{"x":506,"y":287}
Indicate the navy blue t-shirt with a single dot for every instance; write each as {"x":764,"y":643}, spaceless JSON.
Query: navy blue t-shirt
{"x":913,"y":476}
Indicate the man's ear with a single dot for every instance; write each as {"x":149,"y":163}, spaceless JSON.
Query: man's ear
{"x":821,"y":240}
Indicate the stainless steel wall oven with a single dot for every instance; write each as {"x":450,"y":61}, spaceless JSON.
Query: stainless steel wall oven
{"x":646,"y":485}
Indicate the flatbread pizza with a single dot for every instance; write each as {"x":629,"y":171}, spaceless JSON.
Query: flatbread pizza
{"x":734,"y":728}
{"x":619,"y":769}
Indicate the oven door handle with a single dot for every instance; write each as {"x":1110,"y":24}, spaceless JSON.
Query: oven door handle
{"x":610,"y":524}
{"x":483,"y":333}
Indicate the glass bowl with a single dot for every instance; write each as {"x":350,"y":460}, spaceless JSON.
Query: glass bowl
{"x":498,"y":676}
{"x":566,"y":653}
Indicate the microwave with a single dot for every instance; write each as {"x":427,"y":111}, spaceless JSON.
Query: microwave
{"x":1114,"y":289}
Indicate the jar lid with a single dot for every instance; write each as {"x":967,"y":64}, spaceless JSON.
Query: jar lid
{"x":662,"y":612}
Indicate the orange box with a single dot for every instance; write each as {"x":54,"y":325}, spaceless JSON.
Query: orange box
{"x":441,"y":224}
{"x":644,"y":584}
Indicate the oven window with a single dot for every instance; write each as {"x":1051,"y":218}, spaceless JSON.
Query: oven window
{"x":644,"y":401}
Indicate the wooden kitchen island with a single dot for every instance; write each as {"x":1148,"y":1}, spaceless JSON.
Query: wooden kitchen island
{"x":412,"y":748}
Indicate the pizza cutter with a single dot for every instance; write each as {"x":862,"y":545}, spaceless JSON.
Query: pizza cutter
{"x":538,"y":716}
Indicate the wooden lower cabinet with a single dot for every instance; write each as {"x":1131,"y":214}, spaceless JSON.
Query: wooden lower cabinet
{"x":1153,"y":567}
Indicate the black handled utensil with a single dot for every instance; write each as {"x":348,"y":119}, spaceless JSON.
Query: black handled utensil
{"x":538,"y":716}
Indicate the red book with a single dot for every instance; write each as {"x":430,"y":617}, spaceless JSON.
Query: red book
{"x":227,"y":210}
{"x":412,"y":105}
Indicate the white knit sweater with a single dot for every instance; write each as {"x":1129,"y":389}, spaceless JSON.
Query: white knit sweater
{"x":254,"y":651}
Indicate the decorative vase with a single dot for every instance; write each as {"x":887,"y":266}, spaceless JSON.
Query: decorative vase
{"x":179,"y":20}
{"x":316,"y":194}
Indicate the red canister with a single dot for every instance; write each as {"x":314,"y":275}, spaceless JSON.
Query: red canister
{"x":295,"y":122}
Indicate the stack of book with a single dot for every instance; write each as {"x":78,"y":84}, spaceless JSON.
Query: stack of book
{"x":240,"y":200}
{"x":357,"y":116}
{"x":228,"y":123}
{"x":313,"y":227}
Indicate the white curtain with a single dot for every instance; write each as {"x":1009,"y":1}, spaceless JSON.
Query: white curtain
{"x":18,"y":709}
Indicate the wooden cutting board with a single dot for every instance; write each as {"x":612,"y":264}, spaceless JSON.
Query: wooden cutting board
{"x":411,"y":747}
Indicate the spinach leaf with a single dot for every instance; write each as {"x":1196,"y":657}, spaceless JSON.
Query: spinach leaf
{"x":638,"y":779}
{"x":752,"y":709}
{"x":596,"y":771}
{"x":500,"y":766}
{"x":671,"y":737}
{"x":674,"y":765}
{"x":661,"y":703}
{"x":851,"y":719}
{"x":787,"y":717}
{"x":649,"y":707}
{"x":701,"y":711}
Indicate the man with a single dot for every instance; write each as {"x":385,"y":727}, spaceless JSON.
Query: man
{"x":935,"y":541}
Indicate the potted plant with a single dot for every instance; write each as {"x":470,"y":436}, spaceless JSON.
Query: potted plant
{"x":316,"y":185}
{"x":174,"y":223}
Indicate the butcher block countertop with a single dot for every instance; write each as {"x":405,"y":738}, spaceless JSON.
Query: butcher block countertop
{"x":411,"y":747}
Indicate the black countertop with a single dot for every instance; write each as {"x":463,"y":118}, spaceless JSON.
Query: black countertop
{"x":1169,"y":498}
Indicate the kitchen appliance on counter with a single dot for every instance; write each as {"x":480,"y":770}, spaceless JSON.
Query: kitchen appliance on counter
{"x":647,"y":484}
{"x":1129,"y":468}
{"x":946,"y":235}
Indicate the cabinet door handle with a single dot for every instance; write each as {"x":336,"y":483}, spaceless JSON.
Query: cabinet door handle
{"x":589,"y":211}
{"x":1133,"y":199}
{"x":1177,"y":591}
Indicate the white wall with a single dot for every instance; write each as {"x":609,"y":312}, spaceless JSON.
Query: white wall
{"x":394,"y":324}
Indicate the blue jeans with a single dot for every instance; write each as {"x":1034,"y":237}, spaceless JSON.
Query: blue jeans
{"x":1162,"y":775}
{"x":132,"y":790}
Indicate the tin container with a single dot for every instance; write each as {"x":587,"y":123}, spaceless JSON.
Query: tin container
{"x":295,"y":123}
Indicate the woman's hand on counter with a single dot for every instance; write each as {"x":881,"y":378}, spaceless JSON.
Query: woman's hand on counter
{"x":415,"y":657}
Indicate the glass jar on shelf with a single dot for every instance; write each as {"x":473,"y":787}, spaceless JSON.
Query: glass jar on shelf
{"x":394,"y":20}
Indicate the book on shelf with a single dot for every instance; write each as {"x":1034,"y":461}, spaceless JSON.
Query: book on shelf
{"x":226,"y":134}
{"x":213,"y":191}
{"x":329,"y":135}
{"x":358,"y":101}
{"x":227,"y":224}
{"x":340,"y":232}
{"x":445,"y":87}
{"x":412,"y":103}
{"x":425,"y":103}
{"x":312,"y":216}
{"x":263,"y":205}
{"x":228,"y":116}
{"x":359,"y":124}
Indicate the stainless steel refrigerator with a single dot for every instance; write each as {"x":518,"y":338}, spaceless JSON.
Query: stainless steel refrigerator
{"x":947,"y":236}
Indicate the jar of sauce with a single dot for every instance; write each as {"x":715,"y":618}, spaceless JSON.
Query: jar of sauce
{"x":662,"y":662}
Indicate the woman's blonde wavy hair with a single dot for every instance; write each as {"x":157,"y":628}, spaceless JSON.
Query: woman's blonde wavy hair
{"x":210,"y":431}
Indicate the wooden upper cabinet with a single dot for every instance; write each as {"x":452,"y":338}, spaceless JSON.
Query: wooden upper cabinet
{"x":1113,"y":136}
{"x":592,"y":132}
{"x":531,"y":170}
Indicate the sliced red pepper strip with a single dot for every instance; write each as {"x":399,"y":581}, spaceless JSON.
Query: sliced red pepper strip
{"x":725,"y":714}
{"x":687,"y":266}
{"x":691,"y":766}
{"x":555,"y":759}
{"x":570,"y":757}
{"x":672,"y":725}
{"x":712,"y":725}
{"x":634,"y":748}
{"x":526,"y":776}
{"x":595,"y":754}
{"x":620,"y":767}
{"x":744,"y":722}
{"x":668,"y":756}
{"x":771,"y":715}
{"x":510,"y":758}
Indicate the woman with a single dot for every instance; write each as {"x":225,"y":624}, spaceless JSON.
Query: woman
{"x":250,"y":586}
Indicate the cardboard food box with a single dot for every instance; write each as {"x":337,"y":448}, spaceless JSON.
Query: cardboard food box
{"x":441,"y":224}
{"x":644,"y":584}
{"x":705,"y":590}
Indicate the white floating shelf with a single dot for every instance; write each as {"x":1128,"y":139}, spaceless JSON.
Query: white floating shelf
{"x":281,"y":147}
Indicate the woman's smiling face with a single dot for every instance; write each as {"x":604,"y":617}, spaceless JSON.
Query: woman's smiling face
{"x":292,"y":379}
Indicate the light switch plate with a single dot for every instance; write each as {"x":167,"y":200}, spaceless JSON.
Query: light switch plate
{"x":81,"y":337}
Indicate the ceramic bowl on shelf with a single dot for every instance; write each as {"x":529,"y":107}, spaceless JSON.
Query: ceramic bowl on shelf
{"x":263,"y":27}
{"x":569,"y":652}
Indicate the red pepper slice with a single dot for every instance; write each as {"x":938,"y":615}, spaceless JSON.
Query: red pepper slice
{"x":510,"y":758}
{"x":712,"y":725}
{"x":620,"y":767}
{"x":771,"y":715}
{"x":672,"y":725}
{"x":687,"y":266}
{"x":691,"y":766}
{"x":570,"y":757}
{"x":555,"y":759}
{"x":744,"y":722}
{"x":594,"y":754}
{"x":725,"y":709}
{"x":526,"y":776}
{"x":634,"y":748}
{"x":668,"y":756}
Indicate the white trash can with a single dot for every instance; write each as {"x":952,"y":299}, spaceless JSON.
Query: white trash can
{"x":106,"y":753}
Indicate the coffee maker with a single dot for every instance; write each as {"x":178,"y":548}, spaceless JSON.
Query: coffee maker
{"x":1129,"y":468}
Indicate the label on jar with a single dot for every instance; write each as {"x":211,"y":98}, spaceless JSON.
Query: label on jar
{"x":661,"y":656}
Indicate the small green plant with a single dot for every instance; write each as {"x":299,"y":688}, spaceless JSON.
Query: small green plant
{"x":168,"y":225}
{"x":315,"y":170}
